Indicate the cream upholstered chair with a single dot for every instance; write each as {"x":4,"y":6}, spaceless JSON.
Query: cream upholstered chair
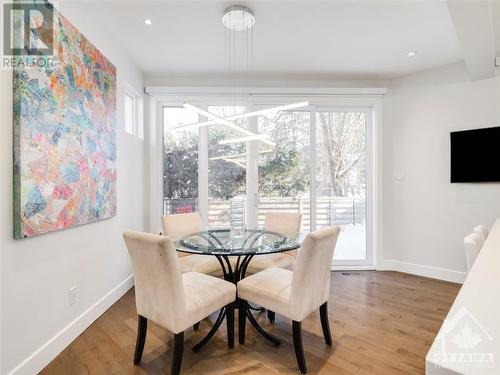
{"x":295,"y":294}
{"x":473,"y":244}
{"x":283,"y":222}
{"x":287,"y":223}
{"x":481,"y":230}
{"x":177,"y":225}
{"x":173,"y":300}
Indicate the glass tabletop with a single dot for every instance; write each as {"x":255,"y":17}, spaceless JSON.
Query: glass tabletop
{"x":224,"y":242}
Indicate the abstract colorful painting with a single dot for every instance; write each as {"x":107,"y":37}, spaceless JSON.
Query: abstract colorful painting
{"x":64,"y":137}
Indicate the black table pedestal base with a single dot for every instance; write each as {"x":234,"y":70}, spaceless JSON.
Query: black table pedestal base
{"x":276,"y":341}
{"x":215,"y":327}
{"x":243,"y":307}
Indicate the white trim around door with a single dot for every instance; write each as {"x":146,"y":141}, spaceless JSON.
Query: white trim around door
{"x":368,"y":100}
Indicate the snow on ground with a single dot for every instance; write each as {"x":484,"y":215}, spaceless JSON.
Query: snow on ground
{"x":351,"y":244}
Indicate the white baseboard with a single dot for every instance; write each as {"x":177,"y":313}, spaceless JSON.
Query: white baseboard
{"x":423,"y":270}
{"x":353,"y":268}
{"x":47,"y":352}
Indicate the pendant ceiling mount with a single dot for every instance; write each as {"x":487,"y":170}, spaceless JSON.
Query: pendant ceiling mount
{"x":238,"y":18}
{"x":242,"y":19}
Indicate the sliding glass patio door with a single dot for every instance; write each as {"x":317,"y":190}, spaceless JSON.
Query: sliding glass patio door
{"x":227,"y":168}
{"x":320,"y":167}
{"x":343,"y":181}
{"x":283,"y":170}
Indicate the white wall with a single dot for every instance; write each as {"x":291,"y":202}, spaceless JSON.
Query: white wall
{"x":36,"y":273}
{"x":426,"y":217}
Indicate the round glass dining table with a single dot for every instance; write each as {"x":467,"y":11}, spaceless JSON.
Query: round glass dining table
{"x":241,"y":246}
{"x":224,"y":243}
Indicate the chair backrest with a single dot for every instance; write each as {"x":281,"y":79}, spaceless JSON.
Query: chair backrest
{"x":159,"y":292}
{"x":287,"y":223}
{"x":482,"y":230}
{"x":473,"y":244}
{"x":177,"y":225}
{"x":311,"y":274}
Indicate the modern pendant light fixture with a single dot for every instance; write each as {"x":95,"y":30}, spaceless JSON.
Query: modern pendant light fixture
{"x":221,"y":120}
{"x":238,"y":19}
{"x":261,"y":137}
{"x":217,"y":119}
{"x":260,"y":112}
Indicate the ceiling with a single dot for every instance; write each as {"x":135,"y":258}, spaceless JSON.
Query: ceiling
{"x":368,"y":39}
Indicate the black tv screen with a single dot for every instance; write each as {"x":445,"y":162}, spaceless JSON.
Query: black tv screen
{"x":475,"y":155}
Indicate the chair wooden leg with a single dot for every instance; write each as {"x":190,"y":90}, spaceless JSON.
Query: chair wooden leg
{"x":271,"y":315}
{"x":142,"y":327}
{"x":177,"y":353}
{"x":242,"y":320}
{"x":299,"y":348}
{"x":325,"y":324}
{"x":196,"y":326}
{"x":230,"y":325}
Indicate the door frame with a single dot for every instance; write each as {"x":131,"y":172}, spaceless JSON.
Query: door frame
{"x":370,"y":155}
{"x":352,"y":99}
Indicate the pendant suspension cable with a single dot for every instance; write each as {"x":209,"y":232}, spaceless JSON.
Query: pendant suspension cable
{"x":251,"y":53}
{"x":226,"y":55}
{"x":239,"y":23}
{"x":231,"y":60}
{"x":243,"y":63}
{"x":234,"y":68}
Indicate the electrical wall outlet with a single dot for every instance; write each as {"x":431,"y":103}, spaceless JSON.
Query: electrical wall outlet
{"x":72,"y":295}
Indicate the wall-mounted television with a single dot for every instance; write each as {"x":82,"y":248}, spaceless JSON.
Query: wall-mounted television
{"x":475,"y":155}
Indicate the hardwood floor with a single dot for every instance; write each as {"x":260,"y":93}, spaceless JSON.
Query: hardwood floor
{"x":382,"y":323}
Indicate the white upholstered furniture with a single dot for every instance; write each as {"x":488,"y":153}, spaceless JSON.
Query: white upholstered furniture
{"x":481,"y":230}
{"x":173,"y":300}
{"x":177,"y":225}
{"x":472,"y":244}
{"x":477,"y":306}
{"x":283,"y":222}
{"x":296,"y":294}
{"x":287,"y":223}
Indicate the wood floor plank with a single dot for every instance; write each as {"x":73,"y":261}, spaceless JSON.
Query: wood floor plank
{"x":382,"y":323}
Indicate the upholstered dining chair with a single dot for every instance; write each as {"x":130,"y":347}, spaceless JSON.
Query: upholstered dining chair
{"x":295,"y":294}
{"x":173,"y":300}
{"x":177,"y":225}
{"x":481,"y":230}
{"x":287,"y":223}
{"x":472,"y":244}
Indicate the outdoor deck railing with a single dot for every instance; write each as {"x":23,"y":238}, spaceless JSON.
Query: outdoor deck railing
{"x":329,"y":210}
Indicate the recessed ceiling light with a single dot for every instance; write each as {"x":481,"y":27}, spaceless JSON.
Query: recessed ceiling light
{"x":148,"y":22}
{"x":412,"y":54}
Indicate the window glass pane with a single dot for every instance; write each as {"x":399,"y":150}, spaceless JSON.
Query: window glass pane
{"x":226,"y":167}
{"x":341,"y":179}
{"x":284,"y":169}
{"x":129,"y":113}
{"x":180,"y":162}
